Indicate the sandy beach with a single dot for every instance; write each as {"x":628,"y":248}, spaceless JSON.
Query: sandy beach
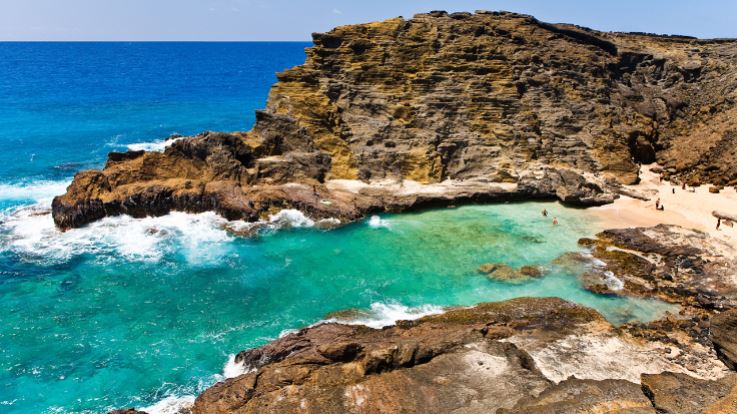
{"x":684,"y":207}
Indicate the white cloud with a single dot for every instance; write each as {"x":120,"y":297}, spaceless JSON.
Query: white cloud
{"x":336,"y":11}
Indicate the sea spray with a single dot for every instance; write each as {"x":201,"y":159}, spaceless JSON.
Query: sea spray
{"x":378,"y":222}
{"x":381,"y":314}
{"x":171,"y":405}
{"x":35,"y":191}
{"x":155,"y":146}
{"x":234,"y":369}
{"x":30,"y":233}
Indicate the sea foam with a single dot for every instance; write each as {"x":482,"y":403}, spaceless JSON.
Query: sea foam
{"x":36,"y":191}
{"x":382,"y":314}
{"x":171,"y":405}
{"x":378,"y":222}
{"x":234,"y":369}
{"x":154,"y":146}
{"x":30,"y":232}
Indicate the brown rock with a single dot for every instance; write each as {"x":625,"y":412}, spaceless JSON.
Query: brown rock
{"x":503,"y":273}
{"x":673,"y":393}
{"x":676,"y":264}
{"x":586,"y":396}
{"x":556,"y":109}
{"x":723,"y":334}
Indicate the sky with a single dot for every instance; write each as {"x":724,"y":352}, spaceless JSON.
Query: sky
{"x":284,"y":20}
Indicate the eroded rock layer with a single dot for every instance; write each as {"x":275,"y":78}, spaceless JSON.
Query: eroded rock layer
{"x":485,"y":97}
{"x":509,"y":357}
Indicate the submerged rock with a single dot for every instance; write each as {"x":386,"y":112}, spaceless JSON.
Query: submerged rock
{"x":505,"y":273}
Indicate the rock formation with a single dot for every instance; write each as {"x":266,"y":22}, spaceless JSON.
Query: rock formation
{"x":450,"y":108}
{"x":543,"y":110}
{"x":671,"y":263}
{"x":520,"y":356}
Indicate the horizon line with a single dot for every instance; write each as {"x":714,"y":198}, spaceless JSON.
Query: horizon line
{"x":155,"y":41}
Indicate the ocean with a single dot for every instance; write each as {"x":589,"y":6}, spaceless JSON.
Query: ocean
{"x":149,"y":312}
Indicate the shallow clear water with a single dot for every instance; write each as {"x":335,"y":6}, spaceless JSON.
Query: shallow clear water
{"x":131,"y":312}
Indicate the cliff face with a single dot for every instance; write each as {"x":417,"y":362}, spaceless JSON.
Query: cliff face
{"x":485,"y":97}
{"x":458,"y":96}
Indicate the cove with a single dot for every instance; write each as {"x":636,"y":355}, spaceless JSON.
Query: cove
{"x":130,"y":312}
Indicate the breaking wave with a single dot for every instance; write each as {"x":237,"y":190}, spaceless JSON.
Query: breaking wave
{"x":381,"y":315}
{"x":171,"y":405}
{"x":155,"y":146}
{"x":378,"y":222}
{"x":36,"y":191}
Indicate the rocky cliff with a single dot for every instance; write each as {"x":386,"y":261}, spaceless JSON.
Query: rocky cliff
{"x":502,"y":103}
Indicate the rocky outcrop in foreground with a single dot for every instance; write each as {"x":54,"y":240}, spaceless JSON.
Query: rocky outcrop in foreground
{"x":520,"y":356}
{"x":524,"y":355}
{"x":507,"y":105}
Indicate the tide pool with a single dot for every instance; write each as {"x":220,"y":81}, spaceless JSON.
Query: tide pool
{"x":132,"y":312}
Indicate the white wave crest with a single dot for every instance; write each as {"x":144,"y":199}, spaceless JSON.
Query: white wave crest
{"x":155,"y":146}
{"x":378,"y":222}
{"x":613,"y":282}
{"x":381,"y":314}
{"x":234,"y":369}
{"x":284,"y":219}
{"x":37,"y":191}
{"x":30,"y":233}
{"x":171,"y":405}
{"x":289,"y":218}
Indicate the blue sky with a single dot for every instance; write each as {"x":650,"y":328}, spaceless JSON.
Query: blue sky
{"x":296,"y":19}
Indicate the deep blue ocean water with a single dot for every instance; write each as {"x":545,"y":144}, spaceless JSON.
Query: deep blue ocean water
{"x":148,"y":312}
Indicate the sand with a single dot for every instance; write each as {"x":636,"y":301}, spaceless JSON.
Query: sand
{"x":687,"y":209}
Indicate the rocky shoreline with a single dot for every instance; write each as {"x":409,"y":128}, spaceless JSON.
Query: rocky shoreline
{"x":523,"y":355}
{"x":444,"y":109}
{"x":560,"y":111}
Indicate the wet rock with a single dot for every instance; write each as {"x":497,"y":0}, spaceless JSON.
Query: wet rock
{"x":504,"y":273}
{"x":531,"y":271}
{"x":675,"y":264}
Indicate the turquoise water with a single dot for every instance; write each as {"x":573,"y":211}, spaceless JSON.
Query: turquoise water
{"x":129,"y":312}
{"x":132,"y":312}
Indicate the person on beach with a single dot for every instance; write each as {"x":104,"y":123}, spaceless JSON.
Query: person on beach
{"x":719,"y":222}
{"x":674,"y":190}
{"x":657,"y":204}
{"x":683,"y":186}
{"x":555,"y":221}
{"x":545,"y":212}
